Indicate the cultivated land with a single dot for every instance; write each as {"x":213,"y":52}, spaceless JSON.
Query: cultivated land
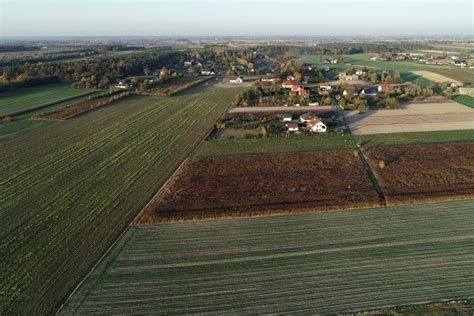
{"x":465,"y":100}
{"x":313,"y":263}
{"x":30,"y":97}
{"x":295,"y":143}
{"x":424,"y":173}
{"x":412,"y":118}
{"x":433,"y":76}
{"x":262,"y":184}
{"x":70,"y":189}
{"x":281,"y":109}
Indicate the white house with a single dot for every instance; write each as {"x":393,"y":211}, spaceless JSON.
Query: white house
{"x":324,"y":87}
{"x":345,"y":76}
{"x":316,"y":126}
{"x":206,"y":73}
{"x":122,"y":85}
{"x":237,"y":80}
{"x":287,"y":118}
{"x":292,"y":127}
{"x":360,"y":73}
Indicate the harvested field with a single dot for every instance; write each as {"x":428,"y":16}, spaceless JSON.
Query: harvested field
{"x":433,"y":76}
{"x":311,"y":264}
{"x":425,"y":173}
{"x":415,"y":117}
{"x":263,"y":184}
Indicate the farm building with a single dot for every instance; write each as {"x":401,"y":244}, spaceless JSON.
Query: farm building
{"x":292,"y":127}
{"x":316,"y":126}
{"x":122,"y":85}
{"x":466,"y":91}
{"x":460,"y":62}
{"x":237,"y":80}
{"x":206,"y":73}
{"x":308,"y":117}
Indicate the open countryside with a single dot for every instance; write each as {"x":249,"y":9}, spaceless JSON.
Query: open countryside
{"x":313,"y":263}
{"x":187,"y":158}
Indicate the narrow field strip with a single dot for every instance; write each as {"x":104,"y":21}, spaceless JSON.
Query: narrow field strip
{"x":311,"y":263}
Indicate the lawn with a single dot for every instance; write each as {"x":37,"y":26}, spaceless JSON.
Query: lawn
{"x":456,"y":73}
{"x":21,"y":99}
{"x":68,"y":190}
{"x":321,"y":263}
{"x":274,"y":145}
{"x":416,"y":138}
{"x":465,"y":100}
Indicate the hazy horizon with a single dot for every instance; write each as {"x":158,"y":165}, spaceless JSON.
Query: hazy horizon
{"x":147,"y":18}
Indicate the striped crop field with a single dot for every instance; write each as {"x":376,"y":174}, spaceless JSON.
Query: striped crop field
{"x":70,"y":189}
{"x":22,"y":99}
{"x":305,"y":264}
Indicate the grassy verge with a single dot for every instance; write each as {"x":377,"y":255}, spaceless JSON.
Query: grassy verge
{"x":274,"y":145}
{"x":465,"y":100}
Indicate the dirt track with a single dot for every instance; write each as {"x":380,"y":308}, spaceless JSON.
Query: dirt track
{"x":412,"y":118}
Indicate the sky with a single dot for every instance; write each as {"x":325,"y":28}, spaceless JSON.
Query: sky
{"x":45,"y":18}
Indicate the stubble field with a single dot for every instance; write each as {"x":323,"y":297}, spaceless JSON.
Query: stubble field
{"x":264,"y":184}
{"x":425,"y":173}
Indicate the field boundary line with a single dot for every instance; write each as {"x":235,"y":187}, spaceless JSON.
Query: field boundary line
{"x":44,"y":105}
{"x":109,"y":249}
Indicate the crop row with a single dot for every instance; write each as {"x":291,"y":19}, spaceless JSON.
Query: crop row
{"x":70,"y":189}
{"x":313,"y":263}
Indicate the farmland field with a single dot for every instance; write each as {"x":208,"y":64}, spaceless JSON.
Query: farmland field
{"x":274,"y":145}
{"x":424,"y":173}
{"x":432,"y":76}
{"x":456,"y":73}
{"x":412,"y":118}
{"x":29,"y":97}
{"x":465,"y":100}
{"x":307,"y":264}
{"x":68,"y":190}
{"x":262,"y":184}
{"x":416,"y":138}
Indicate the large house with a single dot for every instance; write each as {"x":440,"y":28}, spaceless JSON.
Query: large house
{"x":344,"y":76}
{"x":316,"y":126}
{"x":308,"y":117}
{"x":295,"y":89}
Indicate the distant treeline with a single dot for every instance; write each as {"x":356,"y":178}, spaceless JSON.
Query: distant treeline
{"x":16,"y":48}
{"x":28,"y":82}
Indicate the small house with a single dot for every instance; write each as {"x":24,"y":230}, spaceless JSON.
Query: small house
{"x":287,"y":118}
{"x":292,"y":127}
{"x":384,"y":87}
{"x":325,"y":87}
{"x":238,"y":80}
{"x":369,"y":92}
{"x":206,"y":73}
{"x":122,"y":85}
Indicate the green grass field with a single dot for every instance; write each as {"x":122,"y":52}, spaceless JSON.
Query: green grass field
{"x":327,"y":142}
{"x":419,"y":80}
{"x":465,"y":100}
{"x":21,"y":99}
{"x":21,"y":124}
{"x":416,"y":138}
{"x":307,"y":264}
{"x":274,"y":145}
{"x":68,"y":190}
{"x":456,"y":73}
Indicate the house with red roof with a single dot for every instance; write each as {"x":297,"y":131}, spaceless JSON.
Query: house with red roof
{"x":385,"y":86}
{"x":316,"y":126}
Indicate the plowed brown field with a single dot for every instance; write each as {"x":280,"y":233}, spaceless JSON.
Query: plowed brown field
{"x":263,"y":184}
{"x":425,"y":173}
